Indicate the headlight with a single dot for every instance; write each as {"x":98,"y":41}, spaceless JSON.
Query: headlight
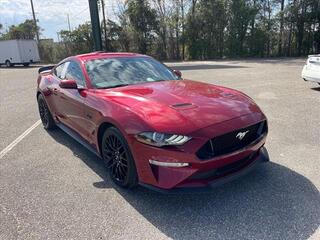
{"x":161,"y":139}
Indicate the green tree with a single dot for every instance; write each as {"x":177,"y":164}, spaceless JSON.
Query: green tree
{"x":79,"y":40}
{"x":240,"y":13}
{"x":281,"y":19}
{"x":163,"y":16}
{"x":195,"y":29}
{"x":302,"y":26}
{"x":116,"y":39}
{"x":25,"y":30}
{"x":206,"y":37}
{"x":192,"y":28}
{"x":143,"y":22}
{"x":1,"y":27}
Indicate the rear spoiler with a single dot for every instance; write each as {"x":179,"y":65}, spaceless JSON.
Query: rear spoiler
{"x":45,"y":69}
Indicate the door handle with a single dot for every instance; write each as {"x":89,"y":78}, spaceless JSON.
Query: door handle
{"x":88,"y":115}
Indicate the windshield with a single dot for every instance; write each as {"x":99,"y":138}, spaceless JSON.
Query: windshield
{"x":112,"y":72}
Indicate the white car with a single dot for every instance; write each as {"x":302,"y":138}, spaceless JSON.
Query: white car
{"x":311,"y":71}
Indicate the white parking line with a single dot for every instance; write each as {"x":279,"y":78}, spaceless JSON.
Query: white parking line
{"x":18,"y":139}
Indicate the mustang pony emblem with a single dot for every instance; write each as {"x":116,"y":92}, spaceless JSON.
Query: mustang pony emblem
{"x":241,"y":135}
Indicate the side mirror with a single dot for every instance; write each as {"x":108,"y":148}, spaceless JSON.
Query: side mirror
{"x":178,"y":73}
{"x":69,"y":84}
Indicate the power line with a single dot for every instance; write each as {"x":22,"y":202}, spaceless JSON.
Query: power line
{"x":74,"y":15}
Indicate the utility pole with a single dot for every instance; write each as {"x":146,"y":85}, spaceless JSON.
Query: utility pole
{"x":104,"y":26}
{"x":35,"y":21}
{"x":95,"y":23}
{"x":58,"y":35}
{"x":69,"y":22}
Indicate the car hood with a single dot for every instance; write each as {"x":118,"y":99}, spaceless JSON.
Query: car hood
{"x":182,"y":104}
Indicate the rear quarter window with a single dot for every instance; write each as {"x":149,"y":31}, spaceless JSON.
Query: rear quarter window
{"x":59,"y":71}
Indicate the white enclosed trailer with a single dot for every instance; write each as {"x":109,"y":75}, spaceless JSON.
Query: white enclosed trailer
{"x":18,"y":52}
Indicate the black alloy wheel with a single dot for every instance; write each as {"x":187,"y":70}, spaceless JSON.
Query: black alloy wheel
{"x":118,"y":158}
{"x":45,"y":115}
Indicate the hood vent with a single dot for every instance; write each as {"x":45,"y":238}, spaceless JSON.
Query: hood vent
{"x":183,"y":106}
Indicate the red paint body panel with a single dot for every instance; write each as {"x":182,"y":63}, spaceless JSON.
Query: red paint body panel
{"x":199,"y":110}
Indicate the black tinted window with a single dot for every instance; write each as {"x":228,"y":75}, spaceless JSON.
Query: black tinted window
{"x":74,"y":72}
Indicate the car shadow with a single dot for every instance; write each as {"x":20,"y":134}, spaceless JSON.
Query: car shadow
{"x":316,"y":89}
{"x":272,"y":60}
{"x":202,"y":67}
{"x":272,"y":202}
{"x":21,"y":67}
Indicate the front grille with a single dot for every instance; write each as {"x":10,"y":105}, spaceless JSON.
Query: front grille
{"x":232,"y":141}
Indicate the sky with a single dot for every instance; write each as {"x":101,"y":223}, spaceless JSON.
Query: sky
{"x":52,"y":14}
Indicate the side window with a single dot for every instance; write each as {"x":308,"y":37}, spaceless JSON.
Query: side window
{"x":58,"y":71}
{"x":74,"y":72}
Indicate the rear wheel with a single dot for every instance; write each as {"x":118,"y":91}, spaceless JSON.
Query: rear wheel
{"x":118,"y":158}
{"x":45,"y":115}
{"x":8,"y":64}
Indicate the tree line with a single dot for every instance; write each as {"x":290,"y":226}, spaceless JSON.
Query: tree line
{"x":197,"y":29}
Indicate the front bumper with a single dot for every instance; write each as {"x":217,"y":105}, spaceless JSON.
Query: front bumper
{"x":198,"y":173}
{"x":261,"y":157}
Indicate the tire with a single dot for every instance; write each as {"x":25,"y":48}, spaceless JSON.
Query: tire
{"x":45,"y":115}
{"x":8,"y":64}
{"x":26,"y":64}
{"x":118,"y":158}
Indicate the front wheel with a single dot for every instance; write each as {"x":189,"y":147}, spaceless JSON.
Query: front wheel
{"x":118,"y":158}
{"x":45,"y":115}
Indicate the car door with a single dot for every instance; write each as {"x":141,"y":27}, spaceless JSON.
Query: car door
{"x":70,"y":101}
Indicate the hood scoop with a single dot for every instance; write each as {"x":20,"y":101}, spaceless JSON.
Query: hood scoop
{"x":183,"y":106}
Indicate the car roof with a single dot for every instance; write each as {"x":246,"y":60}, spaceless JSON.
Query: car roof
{"x":95,"y":55}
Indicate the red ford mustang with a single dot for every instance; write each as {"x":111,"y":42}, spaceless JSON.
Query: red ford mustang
{"x":150,"y":126}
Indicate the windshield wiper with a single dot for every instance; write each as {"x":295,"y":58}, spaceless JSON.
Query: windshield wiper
{"x":114,"y":86}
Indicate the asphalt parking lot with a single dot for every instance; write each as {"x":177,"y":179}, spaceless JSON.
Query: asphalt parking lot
{"x":52,"y":188}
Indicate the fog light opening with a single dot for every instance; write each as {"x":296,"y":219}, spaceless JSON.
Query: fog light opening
{"x":168,"y":164}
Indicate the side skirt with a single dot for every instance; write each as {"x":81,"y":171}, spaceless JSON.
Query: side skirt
{"x":78,"y":138}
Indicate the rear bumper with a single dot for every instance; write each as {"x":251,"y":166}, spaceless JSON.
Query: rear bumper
{"x":260,"y":157}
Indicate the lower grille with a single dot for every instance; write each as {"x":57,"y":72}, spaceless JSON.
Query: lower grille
{"x":232,"y":141}
{"x":225,"y":170}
